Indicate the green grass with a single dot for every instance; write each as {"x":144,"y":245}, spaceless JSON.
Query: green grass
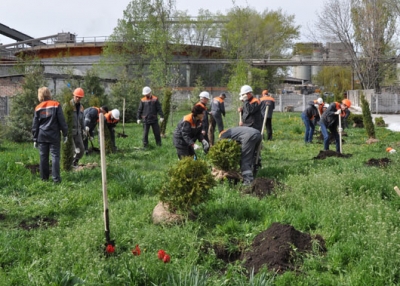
{"x":351,"y":205}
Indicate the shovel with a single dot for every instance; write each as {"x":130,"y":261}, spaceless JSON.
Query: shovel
{"x":95,"y":149}
{"x":110,"y":244}
{"x":123,"y":135}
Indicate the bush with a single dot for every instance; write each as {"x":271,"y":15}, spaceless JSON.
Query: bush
{"x":380,"y":122}
{"x":225,"y":155}
{"x":188,"y":185}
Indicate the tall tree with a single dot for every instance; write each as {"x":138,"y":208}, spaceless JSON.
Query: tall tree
{"x":366,"y":30}
{"x":141,"y":48}
{"x":249,"y":34}
{"x":24,"y":102}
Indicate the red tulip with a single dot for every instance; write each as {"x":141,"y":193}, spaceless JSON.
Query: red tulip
{"x":161,"y":253}
{"x":110,"y":248}
{"x":166,"y":258}
{"x":136,"y":250}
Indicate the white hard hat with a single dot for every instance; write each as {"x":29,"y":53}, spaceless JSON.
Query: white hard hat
{"x":245,"y":89}
{"x":146,"y":90}
{"x":320,"y":100}
{"x":204,"y":94}
{"x":115,"y":113}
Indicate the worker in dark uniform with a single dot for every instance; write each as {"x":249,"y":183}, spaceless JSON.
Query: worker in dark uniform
{"x":250,"y":111}
{"x":204,"y":98}
{"x":308,"y":116}
{"x":249,"y":139}
{"x":217,"y":111}
{"x":78,"y":130}
{"x":188,"y":131}
{"x":91,"y":116}
{"x":48,"y":121}
{"x":112,"y":118}
{"x":149,"y":107}
{"x":269,"y":101}
{"x":330,"y":120}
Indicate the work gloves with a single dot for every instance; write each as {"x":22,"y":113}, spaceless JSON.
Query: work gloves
{"x":35,"y":145}
{"x":161,"y":120}
{"x":195,"y":146}
{"x":338,"y":111}
{"x":65,"y":139}
{"x":340,"y":130}
{"x":138,"y":121}
{"x":206,"y":146}
{"x":77,"y":150}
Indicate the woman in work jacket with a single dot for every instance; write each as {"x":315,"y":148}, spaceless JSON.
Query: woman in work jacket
{"x":188,"y":131}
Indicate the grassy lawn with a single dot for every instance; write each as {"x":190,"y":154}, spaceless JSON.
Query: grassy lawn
{"x":54,"y":234}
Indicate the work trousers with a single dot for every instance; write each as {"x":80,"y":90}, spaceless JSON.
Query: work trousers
{"x":44,"y":150}
{"x":78,"y":143}
{"x":268,"y":126}
{"x":248,"y":156}
{"x":310,"y":127}
{"x":156,"y":132}
{"x":325,"y":134}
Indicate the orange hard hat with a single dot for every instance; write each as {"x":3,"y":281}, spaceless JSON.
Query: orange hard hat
{"x":347,"y":102}
{"x":79,"y":92}
{"x":388,"y":149}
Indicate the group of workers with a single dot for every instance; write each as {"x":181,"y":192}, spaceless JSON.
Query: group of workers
{"x":193,"y":127}
{"x":49,"y":122}
{"x":328,"y":117}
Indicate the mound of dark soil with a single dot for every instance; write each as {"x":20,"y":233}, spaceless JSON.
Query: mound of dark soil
{"x":279,"y":247}
{"x":37,"y":222}
{"x":260,"y":187}
{"x":329,"y":153}
{"x":383,"y":162}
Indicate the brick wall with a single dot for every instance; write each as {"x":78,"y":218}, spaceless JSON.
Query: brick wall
{"x":10,"y":86}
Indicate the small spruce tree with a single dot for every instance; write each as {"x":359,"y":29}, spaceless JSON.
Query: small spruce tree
{"x":367,"y":118}
{"x":166,"y":108}
{"x":68,"y":148}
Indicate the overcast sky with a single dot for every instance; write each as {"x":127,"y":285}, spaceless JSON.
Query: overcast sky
{"x":89,"y":18}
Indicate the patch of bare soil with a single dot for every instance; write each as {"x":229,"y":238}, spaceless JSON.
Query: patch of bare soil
{"x":33,"y":168}
{"x":383,"y":162}
{"x":279,"y":248}
{"x":38,"y":222}
{"x":329,"y":153}
{"x":260,"y":187}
